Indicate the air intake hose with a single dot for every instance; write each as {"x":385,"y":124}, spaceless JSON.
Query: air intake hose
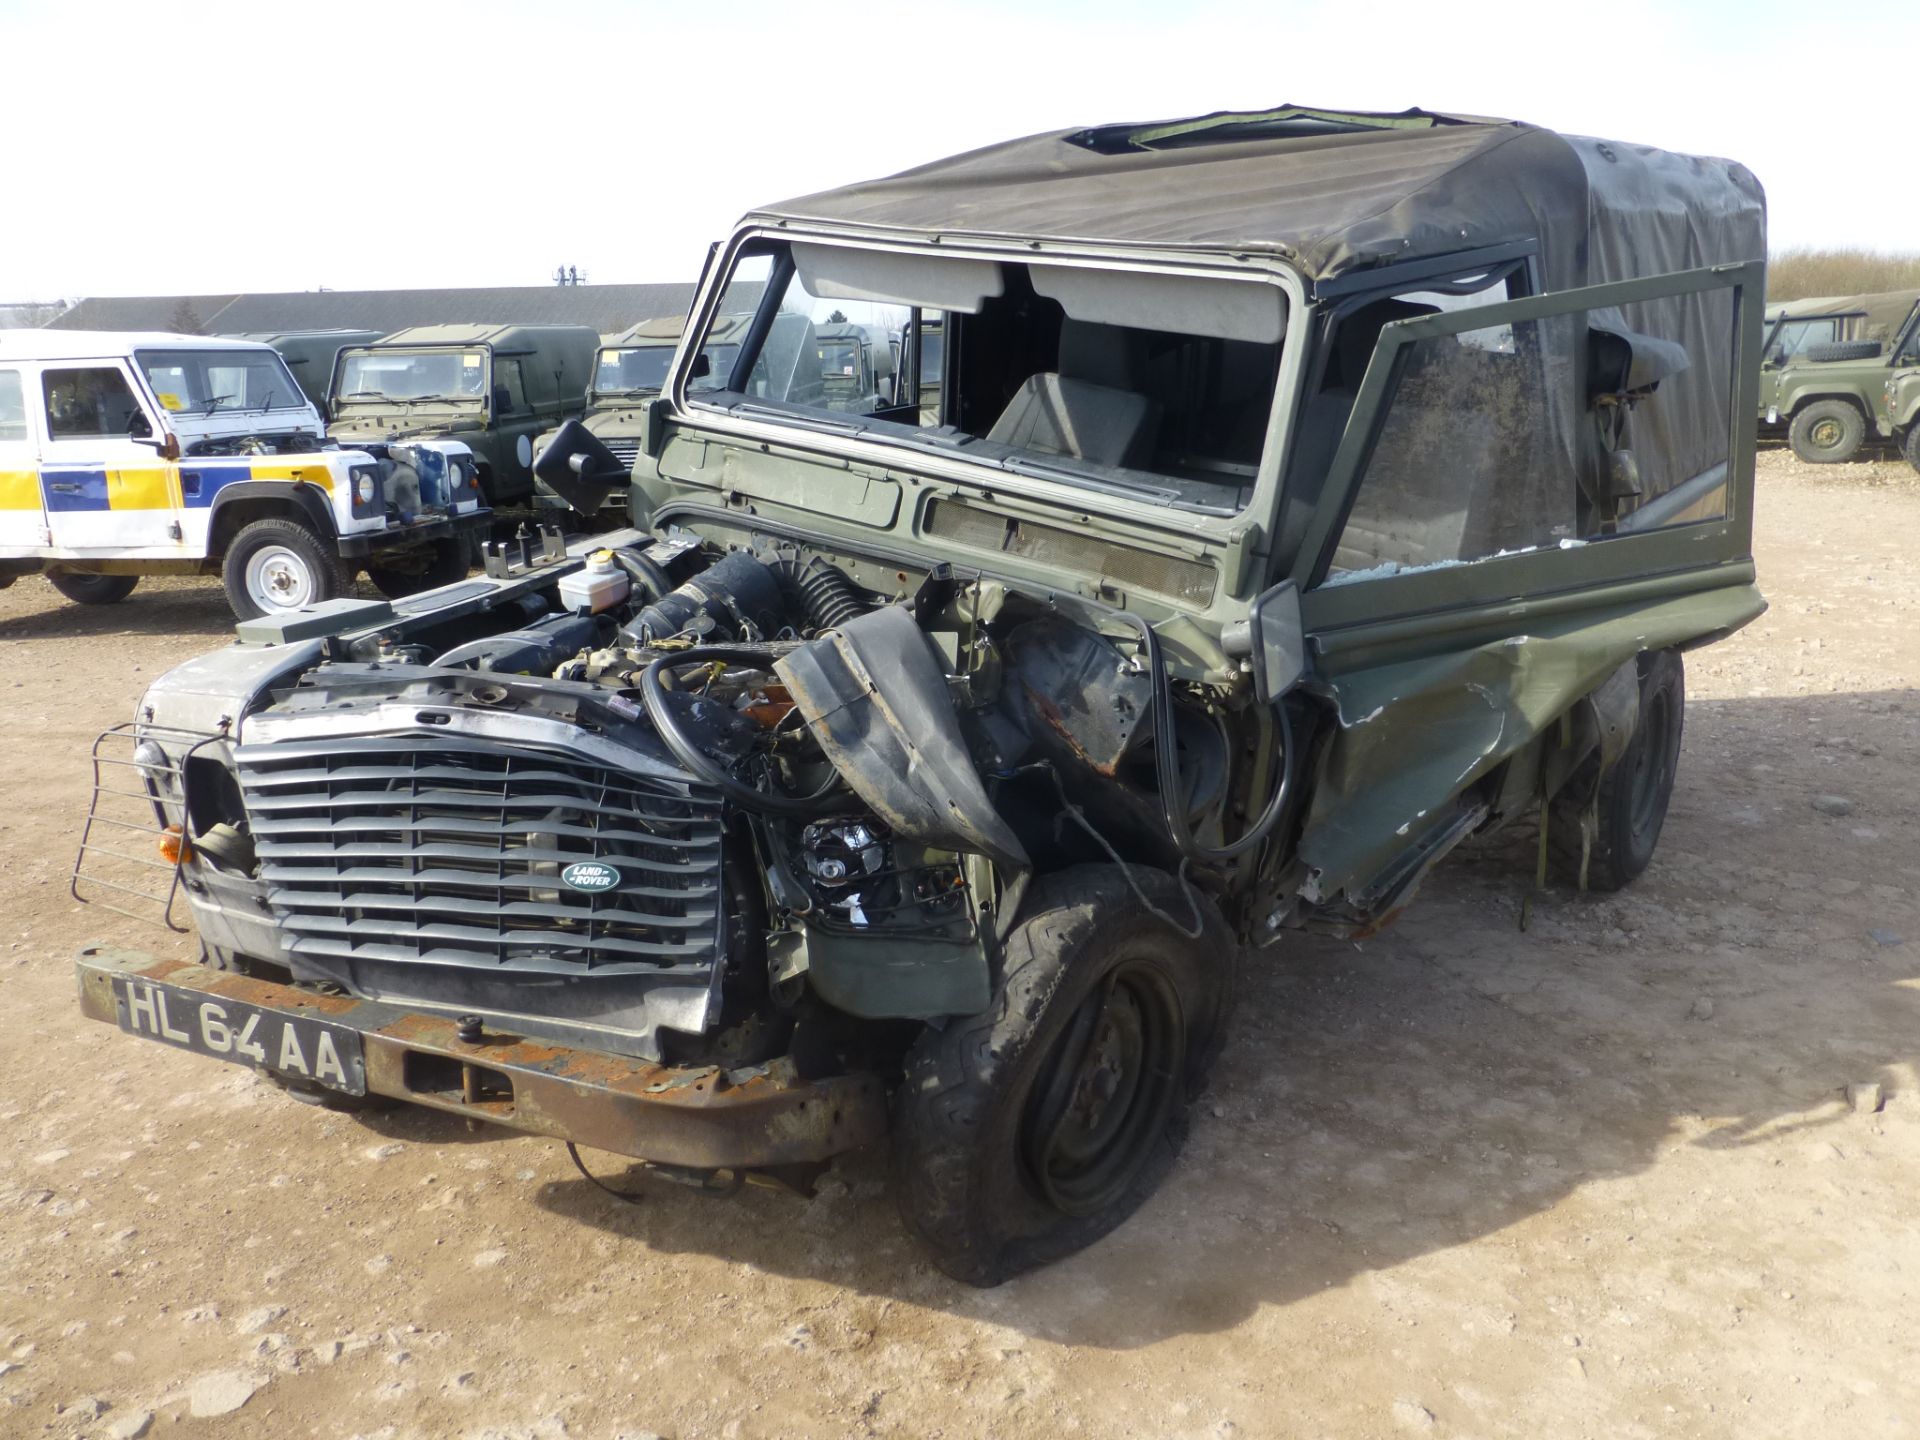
{"x":828,"y":598}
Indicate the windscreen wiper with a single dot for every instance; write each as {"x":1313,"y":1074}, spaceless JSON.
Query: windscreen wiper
{"x":215,"y":403}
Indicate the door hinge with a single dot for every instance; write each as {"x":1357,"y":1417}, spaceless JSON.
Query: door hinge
{"x":173,"y":531}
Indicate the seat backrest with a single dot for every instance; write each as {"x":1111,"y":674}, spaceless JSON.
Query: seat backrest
{"x":1055,"y":415}
{"x":1090,"y":408}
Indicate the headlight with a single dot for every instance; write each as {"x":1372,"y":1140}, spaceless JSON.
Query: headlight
{"x":366,"y":484}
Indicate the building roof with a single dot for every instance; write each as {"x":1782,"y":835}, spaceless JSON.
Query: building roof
{"x":604,"y":307}
{"x":52,"y":344}
{"x":1329,"y":191}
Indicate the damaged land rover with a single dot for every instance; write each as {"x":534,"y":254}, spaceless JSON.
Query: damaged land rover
{"x":1290,"y":496}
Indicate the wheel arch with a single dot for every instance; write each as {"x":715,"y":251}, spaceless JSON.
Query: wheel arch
{"x":239,"y":505}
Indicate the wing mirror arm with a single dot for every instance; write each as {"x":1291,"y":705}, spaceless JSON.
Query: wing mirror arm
{"x":166,"y":442}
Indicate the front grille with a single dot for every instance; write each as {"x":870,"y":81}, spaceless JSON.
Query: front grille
{"x":627,"y":452}
{"x":450,"y":851}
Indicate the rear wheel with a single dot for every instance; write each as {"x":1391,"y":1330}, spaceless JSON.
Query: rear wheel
{"x":1028,"y":1132}
{"x":1635,"y":792}
{"x":428,"y":568}
{"x":92,"y":589}
{"x":1827,"y":432}
{"x":277,"y":566}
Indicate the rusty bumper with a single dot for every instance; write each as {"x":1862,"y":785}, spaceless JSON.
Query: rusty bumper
{"x":704,"y":1118}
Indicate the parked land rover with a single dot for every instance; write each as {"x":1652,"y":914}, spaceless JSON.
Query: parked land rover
{"x":124,"y":455}
{"x":632,"y":368}
{"x":1903,"y":409}
{"x":310,"y":355}
{"x":1825,"y":367}
{"x":1307,"y":491}
{"x":492,"y":387}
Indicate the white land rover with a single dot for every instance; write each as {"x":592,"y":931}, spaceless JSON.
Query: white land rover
{"x":124,"y":455}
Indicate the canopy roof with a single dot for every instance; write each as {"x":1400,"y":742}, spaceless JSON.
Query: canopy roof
{"x":1884,"y":310}
{"x":1331,"y":191}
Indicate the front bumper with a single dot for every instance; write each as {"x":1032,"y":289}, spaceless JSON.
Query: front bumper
{"x":398,"y":537}
{"x":702,"y":1119}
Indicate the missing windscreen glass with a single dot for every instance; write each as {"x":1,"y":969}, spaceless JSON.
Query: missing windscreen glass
{"x":1152,"y":384}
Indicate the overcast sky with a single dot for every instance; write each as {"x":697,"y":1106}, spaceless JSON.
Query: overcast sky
{"x":216,"y":146}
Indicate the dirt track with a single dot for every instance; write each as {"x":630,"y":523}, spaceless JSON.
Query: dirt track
{"x":1597,"y":1179}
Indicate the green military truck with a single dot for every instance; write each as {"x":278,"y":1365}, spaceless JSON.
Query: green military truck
{"x":310,"y":355}
{"x":496,"y":387}
{"x":1824,"y":370}
{"x":1313,"y":491}
{"x":1902,"y":403}
{"x":632,"y":368}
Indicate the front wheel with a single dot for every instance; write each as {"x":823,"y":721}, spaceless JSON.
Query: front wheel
{"x":1910,"y":447}
{"x":1028,"y":1132}
{"x":92,"y":589}
{"x":428,"y":568}
{"x":1827,"y":432}
{"x":277,"y":566}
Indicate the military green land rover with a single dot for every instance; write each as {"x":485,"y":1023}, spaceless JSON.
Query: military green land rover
{"x":1306,"y":491}
{"x":496,"y":387}
{"x":1825,"y":366}
{"x":631,"y":369}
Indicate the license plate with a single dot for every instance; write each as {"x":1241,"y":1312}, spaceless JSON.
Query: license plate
{"x":289,"y":1045}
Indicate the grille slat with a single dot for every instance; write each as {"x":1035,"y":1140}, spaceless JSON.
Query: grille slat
{"x":688,"y":916}
{"x":448,"y":850}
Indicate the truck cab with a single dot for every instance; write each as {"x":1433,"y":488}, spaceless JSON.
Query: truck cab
{"x":141,"y":454}
{"x":494,"y":388}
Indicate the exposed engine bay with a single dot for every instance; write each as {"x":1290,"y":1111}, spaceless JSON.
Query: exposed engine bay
{"x":707,"y":804}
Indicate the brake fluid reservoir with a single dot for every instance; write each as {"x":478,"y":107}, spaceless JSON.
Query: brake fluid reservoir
{"x":600,"y":585}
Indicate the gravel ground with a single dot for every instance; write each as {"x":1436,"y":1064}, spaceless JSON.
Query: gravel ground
{"x":1643,"y":1170}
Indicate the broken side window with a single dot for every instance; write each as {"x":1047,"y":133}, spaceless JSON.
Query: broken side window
{"x":1554,"y":431}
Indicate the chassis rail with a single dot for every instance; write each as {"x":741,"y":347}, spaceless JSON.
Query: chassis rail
{"x":702,"y":1119}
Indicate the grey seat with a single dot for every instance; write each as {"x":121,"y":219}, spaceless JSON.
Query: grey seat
{"x":1089,"y":409}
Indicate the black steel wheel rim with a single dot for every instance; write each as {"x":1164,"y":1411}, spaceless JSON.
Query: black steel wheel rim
{"x":1100,"y":1102}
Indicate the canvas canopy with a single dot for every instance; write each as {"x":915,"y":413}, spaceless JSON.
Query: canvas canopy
{"x":1331,"y":192}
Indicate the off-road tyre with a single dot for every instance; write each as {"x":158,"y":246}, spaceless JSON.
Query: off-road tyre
{"x":1634,"y":793}
{"x":440,"y":563}
{"x":1827,"y":432}
{"x":1826,"y":351}
{"x":325,"y":575}
{"x":1087,"y":962}
{"x":92,"y":589}
{"x":1910,"y":447}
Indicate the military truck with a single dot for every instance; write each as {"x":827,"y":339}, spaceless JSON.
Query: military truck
{"x":632,"y":367}
{"x":1824,"y":370}
{"x":310,"y":355}
{"x":1902,"y":403}
{"x":494,"y":387}
{"x":1315,"y":490}
{"x":858,"y":364}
